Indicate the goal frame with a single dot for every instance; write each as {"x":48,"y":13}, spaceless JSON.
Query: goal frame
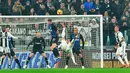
{"x":101,"y":26}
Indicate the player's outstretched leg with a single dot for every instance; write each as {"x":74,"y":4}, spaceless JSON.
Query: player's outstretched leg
{"x":17,"y":61}
{"x":121,"y":61}
{"x":67,"y":61}
{"x":55,"y":50}
{"x":72,"y":57}
{"x":126,"y":60}
{"x":29,"y":57}
{"x":45,"y":57}
{"x":9,"y":61}
{"x":125,"y":56}
{"x":63,"y":31}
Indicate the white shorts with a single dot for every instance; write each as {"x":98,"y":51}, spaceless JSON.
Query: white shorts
{"x":1,"y":49}
{"x":121,"y":50}
{"x":6,"y":50}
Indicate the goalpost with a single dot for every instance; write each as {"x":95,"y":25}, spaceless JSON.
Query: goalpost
{"x":90,"y":26}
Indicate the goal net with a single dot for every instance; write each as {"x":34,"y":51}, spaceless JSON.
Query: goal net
{"x":25,"y":27}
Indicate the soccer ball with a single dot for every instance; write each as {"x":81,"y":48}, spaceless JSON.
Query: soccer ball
{"x":59,"y":12}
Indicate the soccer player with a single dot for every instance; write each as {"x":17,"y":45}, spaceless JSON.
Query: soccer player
{"x":38,"y":46}
{"x":8,"y":45}
{"x":76,"y":48}
{"x":54,"y":37}
{"x":121,"y":48}
{"x":66,"y":45}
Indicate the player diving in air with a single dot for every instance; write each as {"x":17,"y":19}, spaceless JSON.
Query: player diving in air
{"x":66,"y":45}
{"x":121,"y":48}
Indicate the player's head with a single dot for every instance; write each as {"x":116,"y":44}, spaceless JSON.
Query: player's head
{"x":116,"y":28}
{"x":75,"y":30}
{"x":49,"y":21}
{"x":7,"y":30}
{"x":67,"y":40}
{"x":38,"y":34}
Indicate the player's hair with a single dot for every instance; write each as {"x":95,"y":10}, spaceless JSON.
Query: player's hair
{"x":49,"y":19}
{"x":76,"y":28}
{"x":117,"y":26}
{"x":38,"y":32}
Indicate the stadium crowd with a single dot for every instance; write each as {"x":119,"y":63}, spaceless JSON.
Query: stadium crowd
{"x":115,"y":12}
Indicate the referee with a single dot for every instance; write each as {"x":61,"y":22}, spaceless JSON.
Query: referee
{"x":38,"y":46}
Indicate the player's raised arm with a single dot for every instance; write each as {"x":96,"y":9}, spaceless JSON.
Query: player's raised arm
{"x":30,"y":43}
{"x":10,"y":35}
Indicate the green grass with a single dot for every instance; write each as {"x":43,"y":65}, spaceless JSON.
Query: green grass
{"x":71,"y":70}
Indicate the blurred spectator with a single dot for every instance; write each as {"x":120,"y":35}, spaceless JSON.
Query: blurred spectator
{"x":52,"y":10}
{"x":112,"y":24}
{"x":127,"y":8}
{"x":97,"y":6}
{"x":69,"y":4}
{"x":128,"y":33}
{"x":94,"y":24}
{"x":56,"y":4}
{"x":117,"y":9}
{"x":106,"y":21}
{"x":27,"y":8}
{"x":82,"y":10}
{"x":18,"y":8}
{"x":47,"y":13}
{"x":32,"y":12}
{"x":107,"y":6}
{"x":126,"y":14}
{"x":2,"y":2}
{"x":123,"y":25}
{"x":85,"y":13}
{"x":64,"y":9}
{"x":76,"y":4}
{"x":48,"y":4}
{"x":73,"y":11}
{"x":40,"y":8}
{"x":89,"y":7}
{"x":1,"y":20}
{"x":8,"y":8}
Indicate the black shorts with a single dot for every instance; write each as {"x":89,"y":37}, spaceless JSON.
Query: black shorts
{"x":77,"y":52}
{"x":54,"y":40}
{"x":37,"y":50}
{"x":12,"y":52}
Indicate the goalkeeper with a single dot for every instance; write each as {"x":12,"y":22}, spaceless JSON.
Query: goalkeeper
{"x":38,"y":46}
{"x":66,"y":45}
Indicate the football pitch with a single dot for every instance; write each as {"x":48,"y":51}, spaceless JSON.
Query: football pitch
{"x":70,"y":70}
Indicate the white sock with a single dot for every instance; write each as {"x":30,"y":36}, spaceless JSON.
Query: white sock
{"x":126,"y":60}
{"x":120,"y":59}
{"x":63,"y":33}
{"x":9,"y":62}
{"x":72,"y":57}
{"x":0,"y":60}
